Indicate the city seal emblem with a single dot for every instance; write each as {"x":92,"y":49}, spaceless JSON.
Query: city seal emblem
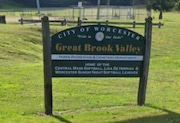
{"x":99,"y":36}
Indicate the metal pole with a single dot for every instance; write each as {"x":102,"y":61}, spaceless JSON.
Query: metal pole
{"x":98,"y":9}
{"x":108,"y":5}
{"x":38,"y":8}
{"x":133,"y":10}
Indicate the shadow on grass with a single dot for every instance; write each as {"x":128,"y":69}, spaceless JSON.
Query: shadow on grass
{"x":61,"y":119}
{"x":169,"y":117}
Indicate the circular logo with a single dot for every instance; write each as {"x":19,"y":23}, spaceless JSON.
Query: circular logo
{"x":99,"y":36}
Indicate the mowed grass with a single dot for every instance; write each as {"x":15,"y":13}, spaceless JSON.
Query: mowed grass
{"x":87,"y":100}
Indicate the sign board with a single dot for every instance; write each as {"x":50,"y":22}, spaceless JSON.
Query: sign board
{"x":97,"y":51}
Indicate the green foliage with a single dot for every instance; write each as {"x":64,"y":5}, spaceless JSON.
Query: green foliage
{"x":9,"y":4}
{"x":161,"y":5}
{"x":56,"y":3}
{"x":177,"y":6}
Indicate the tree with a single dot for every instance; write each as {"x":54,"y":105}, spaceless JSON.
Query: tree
{"x":164,"y":5}
{"x":29,"y":3}
{"x":161,"y":5}
{"x":177,"y":6}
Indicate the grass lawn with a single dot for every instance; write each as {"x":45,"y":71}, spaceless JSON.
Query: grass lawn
{"x":87,"y":100}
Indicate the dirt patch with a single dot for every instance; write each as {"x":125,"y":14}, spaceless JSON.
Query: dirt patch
{"x":12,"y":19}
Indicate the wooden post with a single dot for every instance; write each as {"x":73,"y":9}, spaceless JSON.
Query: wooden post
{"x":159,"y":25}
{"x":47,"y":66}
{"x":145,"y":69}
{"x":3,"y":19}
{"x":79,"y":21}
{"x":134,"y":24}
{"x":65,"y":22}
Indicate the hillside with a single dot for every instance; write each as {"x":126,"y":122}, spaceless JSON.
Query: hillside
{"x":14,"y":45}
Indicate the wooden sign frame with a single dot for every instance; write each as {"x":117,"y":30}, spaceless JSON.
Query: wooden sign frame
{"x":48,"y":65}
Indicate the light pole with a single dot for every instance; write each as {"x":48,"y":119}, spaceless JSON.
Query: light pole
{"x":108,"y":5}
{"x":38,"y":8}
{"x":98,"y":8}
{"x":133,"y":9}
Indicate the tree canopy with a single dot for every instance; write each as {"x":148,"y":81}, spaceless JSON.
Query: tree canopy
{"x":163,"y":5}
{"x":56,"y":3}
{"x":160,"y":5}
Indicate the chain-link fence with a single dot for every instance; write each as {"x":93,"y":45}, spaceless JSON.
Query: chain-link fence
{"x":86,"y":12}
